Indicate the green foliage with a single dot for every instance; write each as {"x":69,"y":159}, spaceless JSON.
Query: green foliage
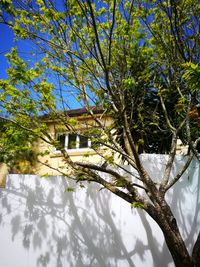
{"x":192,"y":76}
{"x":137,"y":61}
{"x":123,"y":58}
{"x":120,"y":183}
{"x":69,"y":189}
{"x":137,"y":205}
{"x":16,"y":148}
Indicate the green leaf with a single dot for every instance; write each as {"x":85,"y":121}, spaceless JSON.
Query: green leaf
{"x":137,"y":205}
{"x":69,"y":189}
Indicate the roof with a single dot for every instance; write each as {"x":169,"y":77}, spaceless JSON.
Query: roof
{"x":73,"y":113}
{"x":82,"y":111}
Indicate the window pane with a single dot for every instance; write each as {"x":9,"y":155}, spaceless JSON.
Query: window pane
{"x":83,"y":141}
{"x":61,"y":140}
{"x":71,"y":141}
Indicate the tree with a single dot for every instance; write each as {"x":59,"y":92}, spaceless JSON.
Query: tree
{"x":130,"y":58}
{"x":16,"y":149}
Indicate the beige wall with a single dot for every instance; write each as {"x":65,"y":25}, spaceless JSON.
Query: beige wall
{"x":56,"y":161}
{"x":54,"y":158}
{"x":3,"y":174}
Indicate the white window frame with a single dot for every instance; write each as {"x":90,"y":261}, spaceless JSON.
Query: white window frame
{"x":75,"y":151}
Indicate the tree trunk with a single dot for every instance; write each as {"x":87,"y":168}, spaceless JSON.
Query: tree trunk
{"x":196,"y":252}
{"x":178,"y":249}
{"x":165,"y":219}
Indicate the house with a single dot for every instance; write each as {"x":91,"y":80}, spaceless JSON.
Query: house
{"x":71,"y":131}
{"x":74,"y":139}
{"x":68,"y":130}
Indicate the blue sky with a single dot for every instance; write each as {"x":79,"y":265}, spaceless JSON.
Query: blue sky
{"x":6,"y":43}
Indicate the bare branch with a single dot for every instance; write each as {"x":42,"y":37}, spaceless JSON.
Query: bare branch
{"x":111,"y":32}
{"x":166,"y":115}
{"x":181,"y":172}
{"x":169,"y":164}
{"x":126,"y":183}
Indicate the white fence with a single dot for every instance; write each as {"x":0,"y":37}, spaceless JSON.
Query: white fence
{"x":41,"y":225}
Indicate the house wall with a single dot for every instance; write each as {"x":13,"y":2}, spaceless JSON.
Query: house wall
{"x":42,"y":225}
{"x":3,"y":173}
{"x":54,"y":158}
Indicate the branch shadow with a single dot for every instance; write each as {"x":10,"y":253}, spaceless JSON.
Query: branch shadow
{"x":185,"y":203}
{"x":62,"y":229}
{"x":54,"y":228}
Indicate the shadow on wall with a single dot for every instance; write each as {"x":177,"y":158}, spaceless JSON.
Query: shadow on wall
{"x":42,"y":225}
{"x":60,"y":228}
{"x":185,"y":202}
{"x":183,"y":197}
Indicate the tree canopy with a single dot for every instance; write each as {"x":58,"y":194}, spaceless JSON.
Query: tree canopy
{"x":138,"y":61}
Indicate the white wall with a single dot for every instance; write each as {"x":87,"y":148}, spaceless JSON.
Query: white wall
{"x":41,"y":225}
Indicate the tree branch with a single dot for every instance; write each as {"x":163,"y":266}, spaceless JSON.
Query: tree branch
{"x":178,"y":176}
{"x":111,"y":32}
{"x":126,"y":183}
{"x":166,"y":115}
{"x":196,"y":251}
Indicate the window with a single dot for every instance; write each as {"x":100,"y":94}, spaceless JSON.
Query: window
{"x":83,"y":142}
{"x":61,"y":141}
{"x":73,"y":141}
{"x":76,"y":141}
{"x":71,"y":144}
